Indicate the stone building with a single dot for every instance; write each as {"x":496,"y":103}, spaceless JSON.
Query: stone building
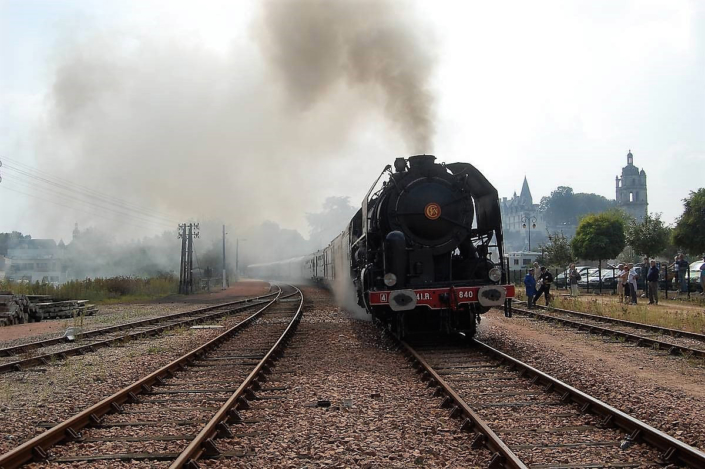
{"x":631,"y":190}
{"x":522,"y":222}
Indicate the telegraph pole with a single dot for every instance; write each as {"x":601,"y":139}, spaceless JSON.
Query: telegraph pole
{"x":182,"y":269}
{"x":186,"y":270}
{"x":189,"y":260}
{"x":224,"y":275}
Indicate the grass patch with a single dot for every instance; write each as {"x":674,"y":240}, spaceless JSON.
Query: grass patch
{"x":664,"y":316}
{"x":101,"y":290}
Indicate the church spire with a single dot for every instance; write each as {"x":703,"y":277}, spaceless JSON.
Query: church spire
{"x":525,"y":195}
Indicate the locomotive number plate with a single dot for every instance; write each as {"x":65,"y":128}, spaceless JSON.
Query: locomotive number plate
{"x":432,"y":299}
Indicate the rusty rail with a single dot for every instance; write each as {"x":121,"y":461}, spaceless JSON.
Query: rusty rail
{"x":20,"y":365}
{"x":672,"y":451}
{"x":204,"y":443}
{"x":503,"y":456}
{"x":16,"y":350}
{"x":639,"y":340}
{"x":35,"y":449}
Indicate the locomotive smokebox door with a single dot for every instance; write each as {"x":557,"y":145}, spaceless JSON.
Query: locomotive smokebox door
{"x":402,"y":300}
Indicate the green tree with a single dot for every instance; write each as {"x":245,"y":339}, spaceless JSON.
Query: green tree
{"x":9,"y":240}
{"x":689,"y":232}
{"x":599,"y":237}
{"x":648,"y":237}
{"x":557,"y":251}
{"x":564,"y":206}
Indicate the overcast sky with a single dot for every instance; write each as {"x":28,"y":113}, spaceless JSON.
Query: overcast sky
{"x":554,"y":91}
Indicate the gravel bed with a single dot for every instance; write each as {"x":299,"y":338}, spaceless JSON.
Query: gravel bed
{"x":664,"y":391}
{"x":55,"y":392}
{"x":381,"y":414}
{"x":64,"y":346}
{"x":153,"y":418}
{"x":512,"y":405}
{"x":110,"y":315}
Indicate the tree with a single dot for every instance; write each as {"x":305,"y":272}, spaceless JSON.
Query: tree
{"x":564,"y":206}
{"x":599,"y":237}
{"x":648,"y":237}
{"x":557,"y":251}
{"x":689,"y":232}
{"x":10,"y":240}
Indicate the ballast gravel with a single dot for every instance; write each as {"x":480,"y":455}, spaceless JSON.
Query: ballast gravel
{"x":344,"y":396}
{"x":662,"y":390}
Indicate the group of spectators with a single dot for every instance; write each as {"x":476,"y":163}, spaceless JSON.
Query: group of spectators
{"x":541,"y":277}
{"x":626,"y":277}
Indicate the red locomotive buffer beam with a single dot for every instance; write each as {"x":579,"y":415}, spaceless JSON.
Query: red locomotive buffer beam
{"x":442,"y":298}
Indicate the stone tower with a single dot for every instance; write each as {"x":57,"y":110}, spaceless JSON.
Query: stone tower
{"x":631,"y":190}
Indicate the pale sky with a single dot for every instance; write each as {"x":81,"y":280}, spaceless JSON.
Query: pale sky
{"x":554,"y":91}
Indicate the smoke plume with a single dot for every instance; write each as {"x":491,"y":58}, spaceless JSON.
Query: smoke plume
{"x":245,"y":133}
{"x":374,"y":47}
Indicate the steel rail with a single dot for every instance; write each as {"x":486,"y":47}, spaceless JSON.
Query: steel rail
{"x":17,"y":349}
{"x":672,"y":451}
{"x":35,"y":448}
{"x":203,"y":443}
{"x":503,"y":456}
{"x":636,"y":325}
{"x":639,"y":340}
{"x":20,"y":365}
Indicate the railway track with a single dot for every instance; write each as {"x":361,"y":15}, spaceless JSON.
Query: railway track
{"x":529,"y":419}
{"x":173,"y":416}
{"x":21,"y":357}
{"x":676,"y":342}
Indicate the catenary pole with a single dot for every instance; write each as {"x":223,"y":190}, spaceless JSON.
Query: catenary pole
{"x":224,"y":282}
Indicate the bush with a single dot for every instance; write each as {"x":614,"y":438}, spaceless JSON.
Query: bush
{"x":99,"y":289}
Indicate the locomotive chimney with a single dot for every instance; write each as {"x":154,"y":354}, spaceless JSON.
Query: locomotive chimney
{"x":421,"y":161}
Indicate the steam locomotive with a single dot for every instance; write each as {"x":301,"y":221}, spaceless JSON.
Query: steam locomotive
{"x":418,"y":255}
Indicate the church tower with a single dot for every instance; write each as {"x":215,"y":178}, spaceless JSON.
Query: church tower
{"x":631,"y":190}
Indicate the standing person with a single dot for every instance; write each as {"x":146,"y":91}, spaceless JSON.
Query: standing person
{"x":530,"y":284}
{"x":621,"y":280}
{"x":574,"y":276}
{"x":625,"y":284}
{"x":545,"y":279}
{"x":702,"y":277}
{"x":682,"y":265}
{"x":631,"y":280}
{"x":644,"y":271}
{"x":652,"y":278}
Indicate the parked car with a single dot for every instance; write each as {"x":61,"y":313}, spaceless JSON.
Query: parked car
{"x":561,"y":279}
{"x":693,"y":284}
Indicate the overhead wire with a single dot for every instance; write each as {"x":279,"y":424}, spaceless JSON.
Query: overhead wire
{"x":55,"y":202}
{"x":67,"y":198}
{"x":83,"y":191}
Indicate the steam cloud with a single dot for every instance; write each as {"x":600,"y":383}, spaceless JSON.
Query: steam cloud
{"x":243,"y":135}
{"x":370,"y":45}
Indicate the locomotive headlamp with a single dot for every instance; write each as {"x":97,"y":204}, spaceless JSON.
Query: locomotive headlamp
{"x":390,"y":279}
{"x":495,"y":274}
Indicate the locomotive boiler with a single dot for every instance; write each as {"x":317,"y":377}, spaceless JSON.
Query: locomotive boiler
{"x":423,"y":253}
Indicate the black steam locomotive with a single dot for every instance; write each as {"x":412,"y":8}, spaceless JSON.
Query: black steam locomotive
{"x":419,"y":253}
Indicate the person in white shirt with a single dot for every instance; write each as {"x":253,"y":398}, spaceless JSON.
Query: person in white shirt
{"x":631,"y":279}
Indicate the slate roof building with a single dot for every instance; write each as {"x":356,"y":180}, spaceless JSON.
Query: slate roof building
{"x":517,"y":212}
